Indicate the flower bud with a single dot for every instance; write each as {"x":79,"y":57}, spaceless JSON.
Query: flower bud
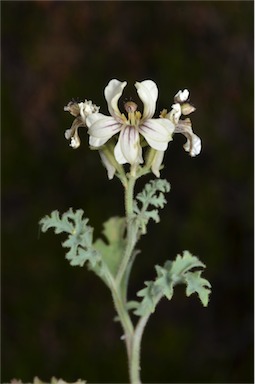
{"x":187,"y":108}
{"x":181,"y":96}
{"x":73,"y":108}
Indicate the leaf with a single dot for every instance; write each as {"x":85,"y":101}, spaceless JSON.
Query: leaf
{"x":164,"y":282}
{"x":171,"y":274}
{"x":80,"y":236}
{"x":199,"y":285}
{"x":182,"y":264}
{"x":152,"y":195}
{"x":112,"y":250}
{"x":148,"y":304}
{"x":52,"y":381}
{"x":54,"y":221}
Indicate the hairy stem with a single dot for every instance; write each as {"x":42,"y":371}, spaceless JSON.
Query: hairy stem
{"x":134,"y":363}
{"x":131,"y":228}
{"x":124,"y":319}
{"x":132,"y":336}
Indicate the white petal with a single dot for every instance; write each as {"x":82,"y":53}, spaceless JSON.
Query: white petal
{"x":128,"y":149}
{"x":181,"y":96}
{"x":148,"y":93}
{"x":101,"y":127}
{"x":156,"y":163}
{"x":157,"y":132}
{"x":109,"y":167}
{"x":75,"y":141}
{"x":76,"y":124}
{"x":86,"y":108}
{"x":104,"y":127}
{"x":118,"y":154}
{"x":112,"y":93}
{"x":69,"y":133}
{"x":72,"y":133}
{"x":175,"y":113}
{"x":193,"y":144}
{"x":95,"y":142}
{"x":93,"y":117}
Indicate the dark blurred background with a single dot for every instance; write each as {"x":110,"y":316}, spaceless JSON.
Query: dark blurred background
{"x":57,"y":320}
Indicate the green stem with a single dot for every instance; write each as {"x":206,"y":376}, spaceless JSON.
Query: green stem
{"x":131,"y":228}
{"x":132,"y":336}
{"x":129,"y":196}
{"x":134,"y":362}
{"x":124,"y":319}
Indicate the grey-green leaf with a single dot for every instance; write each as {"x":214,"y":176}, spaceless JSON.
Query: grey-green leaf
{"x":80,"y":236}
{"x":171,"y":274}
{"x":152,"y":196}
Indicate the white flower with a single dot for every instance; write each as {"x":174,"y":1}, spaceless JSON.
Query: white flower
{"x":157,"y":132}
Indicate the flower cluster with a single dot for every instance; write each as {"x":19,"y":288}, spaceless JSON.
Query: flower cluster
{"x":120,"y":137}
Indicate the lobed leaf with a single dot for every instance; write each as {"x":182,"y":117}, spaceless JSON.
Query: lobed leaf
{"x":151,"y":196}
{"x":195,"y":283}
{"x":80,"y":236}
{"x":173,"y":273}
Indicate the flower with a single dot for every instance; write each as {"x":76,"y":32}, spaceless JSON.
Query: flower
{"x":157,"y":132}
{"x":80,"y":111}
{"x":135,"y":129}
{"x":183,"y":107}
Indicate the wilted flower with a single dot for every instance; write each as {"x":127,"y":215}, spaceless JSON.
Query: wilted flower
{"x":183,"y":107}
{"x":80,"y":110}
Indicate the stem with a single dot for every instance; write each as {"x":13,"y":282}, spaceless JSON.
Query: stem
{"x":132,"y":336}
{"x":118,"y":292}
{"x":129,"y":195}
{"x":134,"y":363}
{"x":124,"y":319}
{"x":131,"y":228}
